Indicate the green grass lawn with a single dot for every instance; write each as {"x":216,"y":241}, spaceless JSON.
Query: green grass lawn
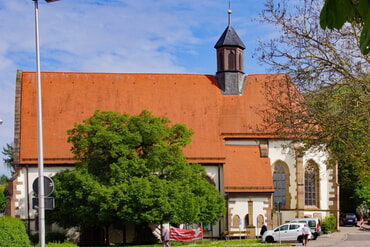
{"x":218,"y":243}
{"x":205,"y":243}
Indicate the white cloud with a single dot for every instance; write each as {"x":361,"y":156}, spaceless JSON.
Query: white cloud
{"x":156,"y":36}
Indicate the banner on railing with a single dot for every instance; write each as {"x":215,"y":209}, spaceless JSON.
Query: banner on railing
{"x":177,"y":234}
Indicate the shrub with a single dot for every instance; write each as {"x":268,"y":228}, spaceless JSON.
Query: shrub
{"x":2,"y":199}
{"x":13,"y":232}
{"x":328,"y":224}
{"x":65,"y":244}
{"x":34,"y":238}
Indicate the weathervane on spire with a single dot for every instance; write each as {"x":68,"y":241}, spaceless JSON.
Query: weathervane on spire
{"x":229,"y":12}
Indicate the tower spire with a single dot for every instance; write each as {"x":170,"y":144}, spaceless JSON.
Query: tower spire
{"x":230,"y":60}
{"x":229,"y":13}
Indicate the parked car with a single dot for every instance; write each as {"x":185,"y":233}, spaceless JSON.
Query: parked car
{"x":291,"y":231}
{"x":348,"y":219}
{"x":312,"y":223}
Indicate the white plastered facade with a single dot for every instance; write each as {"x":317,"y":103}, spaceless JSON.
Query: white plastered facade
{"x":283,"y":151}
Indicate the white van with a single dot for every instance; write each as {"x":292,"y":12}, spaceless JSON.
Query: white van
{"x":313,"y":224}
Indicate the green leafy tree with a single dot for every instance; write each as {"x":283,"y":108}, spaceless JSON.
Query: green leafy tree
{"x":132,"y":169}
{"x":3,"y":180}
{"x":8,"y":152}
{"x":335,"y":13}
{"x":3,"y":184}
{"x":2,"y":200}
{"x":333,"y":76}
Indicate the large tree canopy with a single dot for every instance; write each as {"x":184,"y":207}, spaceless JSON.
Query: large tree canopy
{"x":333,"y":76}
{"x":132,"y":169}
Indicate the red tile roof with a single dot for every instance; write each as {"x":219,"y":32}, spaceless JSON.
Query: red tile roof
{"x":191,"y":99}
{"x":246,"y":171}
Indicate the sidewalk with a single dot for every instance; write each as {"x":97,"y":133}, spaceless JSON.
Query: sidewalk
{"x":330,"y":239}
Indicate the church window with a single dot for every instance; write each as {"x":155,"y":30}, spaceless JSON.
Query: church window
{"x":246,"y":220}
{"x":232,"y":60}
{"x":236,"y":220}
{"x":311,"y":178}
{"x":221,"y":64}
{"x":281,"y":180}
{"x":241,"y":62}
{"x":260,"y":221}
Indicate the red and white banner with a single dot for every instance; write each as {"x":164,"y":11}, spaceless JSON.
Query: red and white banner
{"x":177,"y":234}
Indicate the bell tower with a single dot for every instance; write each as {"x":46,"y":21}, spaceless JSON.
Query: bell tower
{"x":230,"y":61}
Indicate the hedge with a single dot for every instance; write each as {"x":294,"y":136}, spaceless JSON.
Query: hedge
{"x":13,"y":232}
{"x":328,"y":224}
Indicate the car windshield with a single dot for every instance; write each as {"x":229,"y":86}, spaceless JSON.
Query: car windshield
{"x":350,"y":216}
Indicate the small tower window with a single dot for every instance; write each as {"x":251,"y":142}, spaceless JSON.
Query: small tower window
{"x":240,"y":65}
{"x":232,"y":61}
{"x":221,"y":64}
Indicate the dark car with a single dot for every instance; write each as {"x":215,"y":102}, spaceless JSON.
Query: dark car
{"x":348,"y":219}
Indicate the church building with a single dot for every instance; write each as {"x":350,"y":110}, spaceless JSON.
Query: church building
{"x":263,"y":176}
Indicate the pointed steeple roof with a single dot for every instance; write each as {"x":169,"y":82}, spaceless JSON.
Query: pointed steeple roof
{"x":230,"y":38}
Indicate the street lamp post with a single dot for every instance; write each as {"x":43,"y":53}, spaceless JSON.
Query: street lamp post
{"x":40,"y":157}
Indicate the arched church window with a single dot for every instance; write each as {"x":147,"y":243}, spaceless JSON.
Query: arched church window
{"x":281,"y":184}
{"x":246,"y":220}
{"x":260,"y":220}
{"x":236,"y":220}
{"x":311,"y":184}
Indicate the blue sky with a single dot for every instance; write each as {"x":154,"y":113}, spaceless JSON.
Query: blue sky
{"x":119,"y":36}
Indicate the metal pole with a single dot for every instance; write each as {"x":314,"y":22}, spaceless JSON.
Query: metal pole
{"x":279,"y":219}
{"x":40,"y":158}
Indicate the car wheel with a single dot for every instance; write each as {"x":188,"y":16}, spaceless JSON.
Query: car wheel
{"x":315,"y":235}
{"x":269,"y":239}
{"x":300,"y":239}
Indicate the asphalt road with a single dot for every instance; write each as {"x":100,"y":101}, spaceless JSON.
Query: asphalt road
{"x":347,"y":236}
{"x":355,"y":237}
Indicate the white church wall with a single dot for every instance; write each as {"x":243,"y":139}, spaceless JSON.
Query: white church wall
{"x":287,"y":216}
{"x":240,"y":207}
{"x":258,"y":209}
{"x":25,"y":183}
{"x":282,"y":151}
